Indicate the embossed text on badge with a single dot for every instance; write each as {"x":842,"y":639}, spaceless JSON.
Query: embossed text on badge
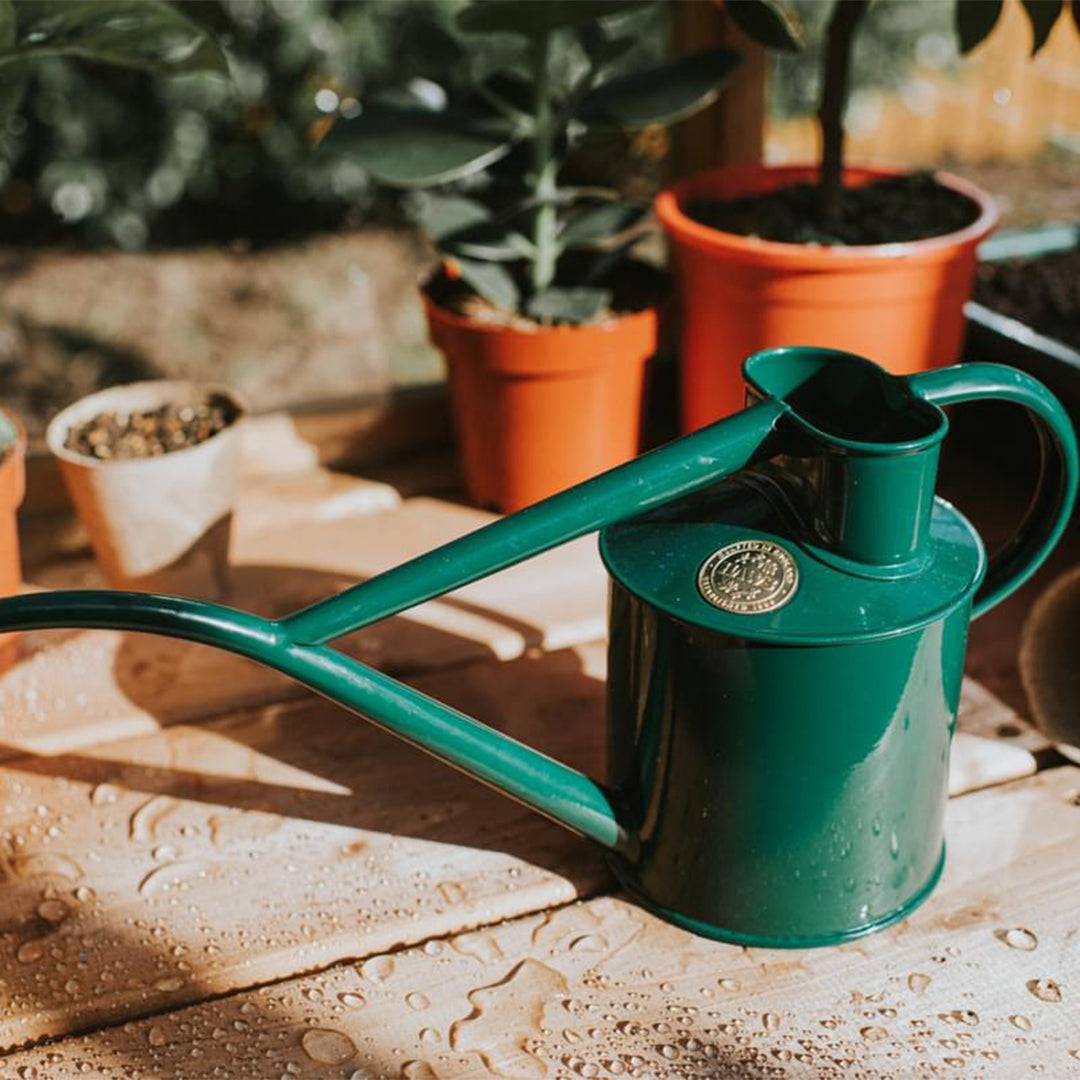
{"x":749,"y":577}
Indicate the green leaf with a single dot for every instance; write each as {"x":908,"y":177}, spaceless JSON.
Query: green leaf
{"x":13,"y":81}
{"x":661,"y":94}
{"x":490,"y":241}
{"x":442,"y":215}
{"x":418,"y":147}
{"x":148,"y":34}
{"x":491,"y":282}
{"x":573,"y":305}
{"x":601,"y":49}
{"x":1042,"y":14}
{"x":535,"y":18}
{"x":512,"y":94}
{"x":601,"y":222}
{"x":769,"y":22}
{"x":974,"y":19}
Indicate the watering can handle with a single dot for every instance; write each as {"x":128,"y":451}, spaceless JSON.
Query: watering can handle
{"x":1055,"y":490}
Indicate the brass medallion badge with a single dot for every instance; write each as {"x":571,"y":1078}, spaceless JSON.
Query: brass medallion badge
{"x":749,"y":577}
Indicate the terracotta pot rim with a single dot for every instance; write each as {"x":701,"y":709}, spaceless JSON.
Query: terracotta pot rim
{"x":668,"y":208}
{"x":437,"y":313}
{"x":61,"y":423}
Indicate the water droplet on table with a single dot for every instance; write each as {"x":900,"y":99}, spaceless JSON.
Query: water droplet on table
{"x":872,"y":1033}
{"x":163,"y":877}
{"x":589,"y":943}
{"x":103,"y":795}
{"x":46,"y":864}
{"x":918,"y":982}
{"x":1018,"y":937}
{"x":30,"y":951}
{"x":479,"y":945}
{"x":1045,"y":989}
{"x":53,"y":911}
{"x":326,"y":1046}
{"x":453,"y":892}
{"x":1021,"y":1022}
{"x":418,"y":1070}
{"x":417,"y":1001}
{"x":378,"y":968}
{"x":351,"y":1000}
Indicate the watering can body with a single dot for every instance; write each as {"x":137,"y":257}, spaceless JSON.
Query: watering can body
{"x":788,"y":616}
{"x":780,"y":791}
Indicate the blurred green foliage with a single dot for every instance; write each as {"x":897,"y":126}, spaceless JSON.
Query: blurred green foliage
{"x":120,"y":158}
{"x":895,"y":33}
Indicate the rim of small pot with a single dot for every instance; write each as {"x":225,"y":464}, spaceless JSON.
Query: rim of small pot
{"x":668,"y":206}
{"x":146,"y":394}
{"x":437,"y":311}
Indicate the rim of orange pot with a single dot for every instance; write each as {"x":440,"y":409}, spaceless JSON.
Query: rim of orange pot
{"x":466,"y":322}
{"x":668,"y":206}
{"x":159,"y":392}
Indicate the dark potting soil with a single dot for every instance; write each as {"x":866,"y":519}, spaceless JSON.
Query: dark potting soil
{"x":1043,"y":293}
{"x":634,"y":285}
{"x":112,"y":436}
{"x":889,"y":211}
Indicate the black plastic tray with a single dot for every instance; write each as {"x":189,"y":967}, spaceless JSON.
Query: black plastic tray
{"x":991,"y":336}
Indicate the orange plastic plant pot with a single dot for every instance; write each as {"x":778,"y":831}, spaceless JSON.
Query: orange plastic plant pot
{"x":899,"y":304}
{"x":12,"y":490}
{"x":537,"y":410}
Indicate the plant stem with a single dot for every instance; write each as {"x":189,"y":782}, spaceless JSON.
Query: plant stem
{"x":544,"y":174}
{"x":840,"y":36}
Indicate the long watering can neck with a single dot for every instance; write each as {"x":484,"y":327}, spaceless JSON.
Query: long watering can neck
{"x":297,"y":645}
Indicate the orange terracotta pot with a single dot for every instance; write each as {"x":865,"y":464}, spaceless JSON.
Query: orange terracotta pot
{"x":12,"y":490}
{"x":539,"y":410}
{"x":898,"y":304}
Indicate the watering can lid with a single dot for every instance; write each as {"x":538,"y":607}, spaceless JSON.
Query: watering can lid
{"x":730,"y":563}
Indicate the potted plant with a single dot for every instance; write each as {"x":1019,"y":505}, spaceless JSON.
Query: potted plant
{"x":152,"y":470}
{"x":874,"y":261}
{"x":545,"y":321}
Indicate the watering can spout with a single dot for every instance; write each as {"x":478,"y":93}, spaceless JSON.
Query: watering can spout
{"x":297,"y":645}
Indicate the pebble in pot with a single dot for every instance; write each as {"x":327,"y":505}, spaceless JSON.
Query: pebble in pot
{"x":152,"y":470}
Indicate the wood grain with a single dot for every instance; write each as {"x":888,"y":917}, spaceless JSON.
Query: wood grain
{"x":982,"y":981}
{"x":164,"y":869}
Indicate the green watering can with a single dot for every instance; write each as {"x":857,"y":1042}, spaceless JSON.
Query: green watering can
{"x":789,"y":611}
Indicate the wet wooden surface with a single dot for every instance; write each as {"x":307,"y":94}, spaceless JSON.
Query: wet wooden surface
{"x":208,"y":874}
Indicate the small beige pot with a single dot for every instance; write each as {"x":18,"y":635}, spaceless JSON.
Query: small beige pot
{"x":158,"y":524}
{"x":1049,"y":667}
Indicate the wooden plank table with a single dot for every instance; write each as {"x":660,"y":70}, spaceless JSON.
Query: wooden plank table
{"x":210,"y":874}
